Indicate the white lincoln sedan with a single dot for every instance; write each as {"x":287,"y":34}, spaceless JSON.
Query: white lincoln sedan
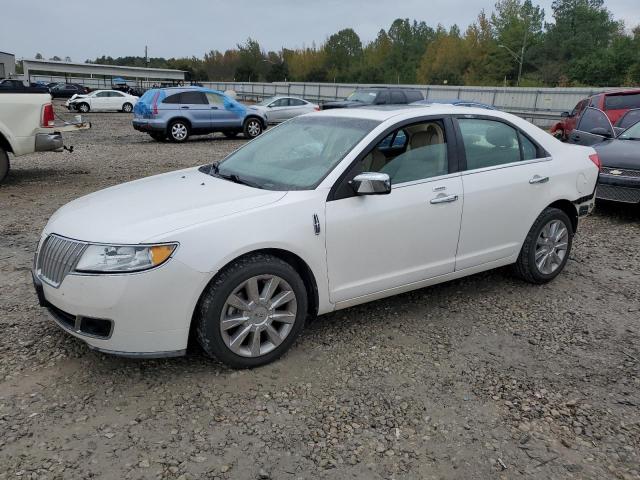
{"x":103,"y":100}
{"x":323,"y":212}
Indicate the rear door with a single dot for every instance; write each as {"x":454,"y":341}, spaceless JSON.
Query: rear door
{"x":278,"y":110}
{"x":195,"y":107}
{"x":116,"y":99}
{"x":506,"y":185}
{"x":594,"y":127}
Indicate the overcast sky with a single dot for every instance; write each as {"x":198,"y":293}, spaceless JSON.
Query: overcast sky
{"x":84,"y":29}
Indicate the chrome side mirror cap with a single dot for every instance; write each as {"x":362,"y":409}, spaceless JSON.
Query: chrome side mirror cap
{"x":371,"y":183}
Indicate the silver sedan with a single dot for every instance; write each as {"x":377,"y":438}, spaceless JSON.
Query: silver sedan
{"x":278,"y":109}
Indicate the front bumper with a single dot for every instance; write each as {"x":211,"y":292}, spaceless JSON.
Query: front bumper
{"x":145,"y":314}
{"x":48,"y":142}
{"x":618,"y":188}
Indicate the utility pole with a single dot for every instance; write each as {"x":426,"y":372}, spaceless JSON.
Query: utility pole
{"x":146,"y":57}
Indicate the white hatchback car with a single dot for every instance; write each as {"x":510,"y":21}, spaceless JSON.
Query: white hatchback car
{"x":323,"y":212}
{"x":102,"y":100}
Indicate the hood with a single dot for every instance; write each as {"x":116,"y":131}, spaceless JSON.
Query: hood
{"x":619,"y":153}
{"x":76,"y":96}
{"x":143,"y":210}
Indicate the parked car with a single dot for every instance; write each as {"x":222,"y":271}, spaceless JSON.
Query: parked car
{"x":278,"y":109}
{"x":102,"y":100}
{"x":614,"y":104}
{"x":12,"y":84}
{"x":27,"y":125}
{"x":179,"y":112}
{"x":456,"y":101}
{"x":377,"y":96}
{"x":67,"y":90}
{"x":619,"y":152}
{"x":309,"y":218}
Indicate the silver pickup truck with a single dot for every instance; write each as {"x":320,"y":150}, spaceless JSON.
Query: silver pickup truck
{"x":27,"y":125}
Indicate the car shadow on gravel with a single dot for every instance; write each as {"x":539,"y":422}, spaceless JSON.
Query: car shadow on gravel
{"x":625,"y":212}
{"x":21,"y":175}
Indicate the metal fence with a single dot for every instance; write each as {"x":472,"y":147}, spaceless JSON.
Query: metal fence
{"x":539,"y":105}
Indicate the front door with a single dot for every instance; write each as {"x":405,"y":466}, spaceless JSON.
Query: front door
{"x":594,"y":127}
{"x":507,"y":181}
{"x":379,"y":242}
{"x":223,"y":114}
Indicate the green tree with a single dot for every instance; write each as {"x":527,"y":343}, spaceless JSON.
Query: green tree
{"x":343,"y":52}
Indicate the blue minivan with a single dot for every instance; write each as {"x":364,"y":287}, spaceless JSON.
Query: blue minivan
{"x":177,"y":113}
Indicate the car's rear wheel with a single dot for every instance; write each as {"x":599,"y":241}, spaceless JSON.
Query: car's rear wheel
{"x":4,"y":165}
{"x":547,"y":247}
{"x":178,"y":131}
{"x":84,"y":107}
{"x":252,"y":311}
{"x":127,"y":108}
{"x":252,"y":127}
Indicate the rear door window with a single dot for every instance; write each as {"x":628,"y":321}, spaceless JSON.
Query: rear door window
{"x":397,"y":97}
{"x":629,"y":118}
{"x":413,"y":96}
{"x":382,"y":98}
{"x":194,"y":98}
{"x":175,"y":98}
{"x":489,"y":143}
{"x":295,"y":102}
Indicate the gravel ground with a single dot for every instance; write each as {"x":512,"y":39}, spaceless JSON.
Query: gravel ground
{"x":485,"y":377}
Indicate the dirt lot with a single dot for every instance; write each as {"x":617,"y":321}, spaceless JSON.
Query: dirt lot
{"x":486,"y":377}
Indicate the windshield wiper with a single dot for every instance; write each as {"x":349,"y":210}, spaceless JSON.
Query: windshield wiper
{"x":215,"y":171}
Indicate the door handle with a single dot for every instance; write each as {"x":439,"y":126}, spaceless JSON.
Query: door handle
{"x":184,"y":106}
{"x":538,"y":179}
{"x":444,"y":199}
{"x":214,"y":108}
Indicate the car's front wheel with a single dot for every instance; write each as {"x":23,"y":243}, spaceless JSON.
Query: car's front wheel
{"x":252,"y":311}
{"x":547,"y":247}
{"x":127,"y":108}
{"x":4,"y":164}
{"x":178,"y":131}
{"x":252,"y":127}
{"x":84,"y":107}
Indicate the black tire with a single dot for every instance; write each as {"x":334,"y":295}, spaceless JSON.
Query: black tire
{"x":127,"y":108}
{"x":210,"y":307}
{"x":231,"y":133}
{"x":252,"y":127}
{"x":525,"y":267}
{"x":5,"y":166}
{"x":157,"y":136}
{"x":83,"y":107}
{"x":178,"y":126}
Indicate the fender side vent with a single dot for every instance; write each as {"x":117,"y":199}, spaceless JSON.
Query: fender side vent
{"x":316,"y":224}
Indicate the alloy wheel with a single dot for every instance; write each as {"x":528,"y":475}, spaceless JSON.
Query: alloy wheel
{"x":258,"y":315}
{"x":551,"y":246}
{"x":254,"y":128}
{"x":179,"y":131}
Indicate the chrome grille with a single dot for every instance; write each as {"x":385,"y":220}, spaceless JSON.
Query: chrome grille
{"x":618,"y":194}
{"x":57,"y":257}
{"x":624,"y":172}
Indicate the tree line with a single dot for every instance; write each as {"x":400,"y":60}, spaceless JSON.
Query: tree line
{"x":580,"y":44}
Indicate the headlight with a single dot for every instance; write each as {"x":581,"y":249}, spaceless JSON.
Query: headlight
{"x":123,"y":258}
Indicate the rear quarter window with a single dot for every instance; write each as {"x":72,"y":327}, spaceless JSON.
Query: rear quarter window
{"x":413,"y":96}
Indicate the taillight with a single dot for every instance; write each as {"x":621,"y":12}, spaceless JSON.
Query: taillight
{"x":155,"y":103}
{"x":596,"y":160}
{"x":48,"y":118}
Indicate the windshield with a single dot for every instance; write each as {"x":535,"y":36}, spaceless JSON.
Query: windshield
{"x":266,"y":101}
{"x":296,"y":155}
{"x":364,"y":96}
{"x":631,"y":133}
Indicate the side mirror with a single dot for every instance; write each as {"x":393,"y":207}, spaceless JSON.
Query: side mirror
{"x":371,"y":183}
{"x":603,"y":132}
{"x":565,"y":114}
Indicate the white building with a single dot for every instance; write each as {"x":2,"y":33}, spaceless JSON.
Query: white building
{"x":7,"y":65}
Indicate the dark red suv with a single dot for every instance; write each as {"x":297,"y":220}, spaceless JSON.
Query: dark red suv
{"x":613,"y":104}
